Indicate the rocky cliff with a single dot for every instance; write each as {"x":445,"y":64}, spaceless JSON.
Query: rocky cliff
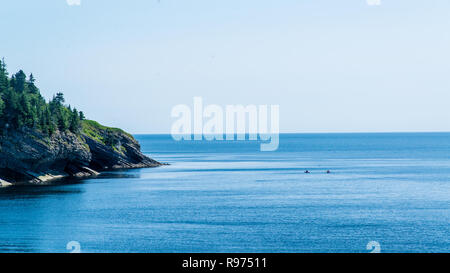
{"x":28,"y":156}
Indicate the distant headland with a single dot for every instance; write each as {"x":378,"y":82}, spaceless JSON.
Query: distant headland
{"x":43,"y":141}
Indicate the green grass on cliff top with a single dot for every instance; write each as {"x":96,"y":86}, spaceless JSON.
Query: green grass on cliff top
{"x":97,"y":131}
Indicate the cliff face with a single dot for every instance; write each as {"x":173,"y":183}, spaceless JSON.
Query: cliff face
{"x":112,"y":148}
{"x":30,"y":157}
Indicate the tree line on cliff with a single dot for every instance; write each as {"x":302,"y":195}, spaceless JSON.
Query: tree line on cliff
{"x":22,"y":106}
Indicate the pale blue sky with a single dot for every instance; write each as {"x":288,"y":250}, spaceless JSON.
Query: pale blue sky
{"x":332,"y":66}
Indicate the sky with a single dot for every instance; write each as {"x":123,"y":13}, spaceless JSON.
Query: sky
{"x":331,"y":66}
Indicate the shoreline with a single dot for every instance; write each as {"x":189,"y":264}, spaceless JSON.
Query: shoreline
{"x":5,"y":184}
{"x":49,"y":178}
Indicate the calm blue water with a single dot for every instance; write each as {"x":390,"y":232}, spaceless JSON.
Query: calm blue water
{"x":229,"y":197}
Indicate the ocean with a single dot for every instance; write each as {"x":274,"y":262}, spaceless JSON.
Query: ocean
{"x":389,"y":188}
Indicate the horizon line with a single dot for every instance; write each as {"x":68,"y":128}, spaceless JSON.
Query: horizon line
{"x":344,"y":132}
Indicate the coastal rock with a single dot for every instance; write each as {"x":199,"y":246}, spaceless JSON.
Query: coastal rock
{"x":126,"y":155}
{"x":112,"y":148}
{"x":28,"y":156}
{"x":4,"y":184}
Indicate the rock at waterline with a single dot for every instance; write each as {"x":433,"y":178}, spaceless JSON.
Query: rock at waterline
{"x":4,"y":184}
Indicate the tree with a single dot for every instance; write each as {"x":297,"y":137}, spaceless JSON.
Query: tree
{"x":59,"y":98}
{"x":31,"y":87}
{"x":2,"y":106}
{"x":25,"y":116}
{"x":62,"y":119}
{"x":82,"y":117}
{"x":20,"y":80}
{"x":22,"y":106}
{"x":11,"y":108}
{"x":74,"y":121}
{"x":4,"y":82}
{"x":48,"y":125}
{"x":31,"y":79}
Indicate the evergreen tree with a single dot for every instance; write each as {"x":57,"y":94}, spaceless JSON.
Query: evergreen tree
{"x":4,"y":82}
{"x":24,"y":112}
{"x":59,"y":98}
{"x":21,"y":105}
{"x":31,"y":79}
{"x":82,"y":117}
{"x":31,"y":87}
{"x":2,"y":106}
{"x":20,"y":80}
{"x":11,"y":108}
{"x":74,"y":121}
